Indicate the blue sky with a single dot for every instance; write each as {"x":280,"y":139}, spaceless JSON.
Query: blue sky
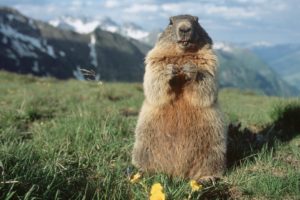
{"x":250,"y":21}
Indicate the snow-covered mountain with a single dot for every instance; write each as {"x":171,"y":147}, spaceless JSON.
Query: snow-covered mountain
{"x":79,"y":25}
{"x":31,"y":46}
{"x":85,"y":25}
{"x":223,"y":46}
{"x":134,"y":31}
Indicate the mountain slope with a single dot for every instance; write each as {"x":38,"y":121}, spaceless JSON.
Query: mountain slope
{"x":284,"y":59}
{"x":241,"y":68}
{"x":31,"y":46}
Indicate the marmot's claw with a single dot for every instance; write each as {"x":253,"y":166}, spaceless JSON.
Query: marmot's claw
{"x":172,"y":70}
{"x":190,"y":71}
{"x":208,"y":180}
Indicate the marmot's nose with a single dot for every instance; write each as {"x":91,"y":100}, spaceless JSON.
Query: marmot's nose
{"x":185,"y":29}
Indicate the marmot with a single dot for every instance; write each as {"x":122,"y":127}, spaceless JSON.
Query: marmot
{"x":180,"y":129}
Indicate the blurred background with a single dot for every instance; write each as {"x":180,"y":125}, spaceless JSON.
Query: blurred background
{"x":257,"y":41}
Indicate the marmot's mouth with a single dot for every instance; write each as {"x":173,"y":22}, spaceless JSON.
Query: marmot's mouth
{"x":184,"y":42}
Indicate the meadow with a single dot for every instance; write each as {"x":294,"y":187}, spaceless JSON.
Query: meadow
{"x":73,"y":140}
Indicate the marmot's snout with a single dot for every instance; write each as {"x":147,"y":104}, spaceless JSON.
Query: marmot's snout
{"x":185,"y":30}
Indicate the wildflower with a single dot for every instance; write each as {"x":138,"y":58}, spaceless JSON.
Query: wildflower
{"x":157,"y":192}
{"x":195,"y":186}
{"x":135,"y":178}
{"x":156,"y":188}
{"x":158,"y":196}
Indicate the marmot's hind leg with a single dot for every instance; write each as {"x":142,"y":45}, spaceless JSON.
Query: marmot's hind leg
{"x":140,"y":157}
{"x":210,"y":168}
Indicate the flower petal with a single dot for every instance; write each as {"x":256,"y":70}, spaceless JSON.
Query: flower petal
{"x":195,"y":186}
{"x":156,"y":187}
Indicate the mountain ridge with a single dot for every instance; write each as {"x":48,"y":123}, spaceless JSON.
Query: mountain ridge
{"x":38,"y":48}
{"x":284,"y":59}
{"x":32,"y":46}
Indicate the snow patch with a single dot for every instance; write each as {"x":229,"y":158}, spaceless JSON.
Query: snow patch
{"x":223,"y":47}
{"x":134,"y":31}
{"x":4,"y":40}
{"x":25,"y":44}
{"x":31,"y":23}
{"x":97,"y":78}
{"x":136,"y":34}
{"x":10,"y":17}
{"x":80,"y":26}
{"x":85,"y":25}
{"x":35,"y":67}
{"x":12,"y":33}
{"x":54,"y":22}
{"x":112,"y":29}
{"x":11,"y":55}
{"x":93,"y":52}
{"x":78,"y":74}
{"x":22,"y":49}
{"x":50,"y":51}
{"x":62,"y":53}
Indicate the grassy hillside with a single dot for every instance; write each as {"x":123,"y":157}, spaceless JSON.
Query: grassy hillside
{"x":73,"y":140}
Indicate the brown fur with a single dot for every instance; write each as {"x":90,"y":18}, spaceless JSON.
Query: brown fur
{"x":180,"y":130}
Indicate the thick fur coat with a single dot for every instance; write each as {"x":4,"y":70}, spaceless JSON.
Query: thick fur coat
{"x":180,"y":130}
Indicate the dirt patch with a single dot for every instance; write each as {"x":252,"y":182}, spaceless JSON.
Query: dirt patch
{"x":127,"y":112}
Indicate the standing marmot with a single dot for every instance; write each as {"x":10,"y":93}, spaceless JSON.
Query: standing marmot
{"x":180,"y":130}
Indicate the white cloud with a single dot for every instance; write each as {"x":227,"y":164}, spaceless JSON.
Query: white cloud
{"x":251,"y":1}
{"x":229,"y":12}
{"x":210,"y":10}
{"x":76,"y":3}
{"x":171,"y":7}
{"x":111,"y":4}
{"x":139,"y":8}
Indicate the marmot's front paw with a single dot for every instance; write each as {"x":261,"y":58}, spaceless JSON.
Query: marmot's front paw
{"x":172,"y":70}
{"x":190,"y":71}
{"x":209,"y":180}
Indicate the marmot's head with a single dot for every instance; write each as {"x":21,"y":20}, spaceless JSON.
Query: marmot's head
{"x":186,"y":32}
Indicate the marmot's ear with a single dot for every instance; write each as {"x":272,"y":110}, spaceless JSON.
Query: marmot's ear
{"x":195,"y":18}
{"x":171,"y":20}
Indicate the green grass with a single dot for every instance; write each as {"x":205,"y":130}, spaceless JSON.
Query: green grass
{"x":73,"y":140}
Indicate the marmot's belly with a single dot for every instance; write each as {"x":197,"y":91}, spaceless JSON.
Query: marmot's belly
{"x":180,"y":134}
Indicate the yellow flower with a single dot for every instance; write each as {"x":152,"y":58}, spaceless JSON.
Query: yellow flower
{"x":195,"y":186}
{"x":156,"y":187}
{"x":135,"y":178}
{"x":158,"y":196}
{"x":157,"y":192}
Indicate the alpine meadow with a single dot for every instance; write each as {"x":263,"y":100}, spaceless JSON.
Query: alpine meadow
{"x":149,"y":100}
{"x":73,"y":140}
